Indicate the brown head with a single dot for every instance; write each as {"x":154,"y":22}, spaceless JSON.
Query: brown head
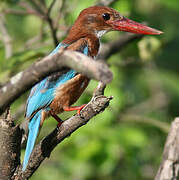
{"x":97,"y":20}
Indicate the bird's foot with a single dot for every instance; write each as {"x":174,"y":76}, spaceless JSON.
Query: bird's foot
{"x":75,"y":108}
{"x":57,"y":119}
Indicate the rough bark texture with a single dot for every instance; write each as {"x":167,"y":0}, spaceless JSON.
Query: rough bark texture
{"x":169,"y":167}
{"x":10,"y":141}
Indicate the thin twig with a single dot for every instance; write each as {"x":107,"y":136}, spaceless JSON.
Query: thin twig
{"x":38,"y":6}
{"x":31,"y":10}
{"x":18,"y":12}
{"x":60,"y":15}
{"x":51,"y":6}
{"x":53,"y":30}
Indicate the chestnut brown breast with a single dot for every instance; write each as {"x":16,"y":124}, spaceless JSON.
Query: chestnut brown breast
{"x":68,"y":93}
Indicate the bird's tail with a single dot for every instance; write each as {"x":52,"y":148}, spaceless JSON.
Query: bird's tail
{"x":34,"y":125}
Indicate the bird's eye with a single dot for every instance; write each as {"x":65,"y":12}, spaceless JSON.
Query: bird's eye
{"x":106,"y":16}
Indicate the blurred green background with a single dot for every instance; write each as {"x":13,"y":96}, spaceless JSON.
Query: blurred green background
{"x":126,"y":141}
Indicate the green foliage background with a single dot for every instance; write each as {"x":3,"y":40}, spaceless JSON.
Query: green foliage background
{"x":126,"y":141}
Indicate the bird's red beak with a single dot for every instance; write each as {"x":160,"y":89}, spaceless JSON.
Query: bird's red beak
{"x":134,"y":27}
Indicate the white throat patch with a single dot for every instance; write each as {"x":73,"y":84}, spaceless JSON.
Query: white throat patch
{"x":99,"y":34}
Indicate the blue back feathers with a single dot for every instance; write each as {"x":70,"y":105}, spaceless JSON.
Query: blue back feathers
{"x":41,"y":96}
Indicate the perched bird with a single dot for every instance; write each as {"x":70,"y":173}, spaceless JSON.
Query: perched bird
{"x":57,"y":92}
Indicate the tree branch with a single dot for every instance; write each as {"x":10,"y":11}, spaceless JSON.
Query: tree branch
{"x":36,"y":10}
{"x":169,"y":167}
{"x":60,"y":15}
{"x":23,"y":81}
{"x":51,"y":6}
{"x":42,"y":11}
{"x":10,"y":142}
{"x":52,"y":24}
{"x":43,"y":150}
{"x":52,"y":29}
{"x":37,"y":6}
{"x":39,"y":9}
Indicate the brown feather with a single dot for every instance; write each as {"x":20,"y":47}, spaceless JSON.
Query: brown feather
{"x":68,"y":93}
{"x":82,"y":34}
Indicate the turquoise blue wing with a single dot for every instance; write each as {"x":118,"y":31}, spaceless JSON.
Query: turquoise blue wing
{"x":41,"y":95}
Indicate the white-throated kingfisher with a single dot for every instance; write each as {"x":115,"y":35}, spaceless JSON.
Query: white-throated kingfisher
{"x":57,"y":92}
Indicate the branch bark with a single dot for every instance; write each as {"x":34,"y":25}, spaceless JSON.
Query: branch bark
{"x":43,"y":150}
{"x":10,"y":143}
{"x":23,"y":81}
{"x":169,"y":167}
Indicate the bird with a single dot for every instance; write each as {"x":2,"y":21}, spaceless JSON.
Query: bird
{"x":57,"y":92}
